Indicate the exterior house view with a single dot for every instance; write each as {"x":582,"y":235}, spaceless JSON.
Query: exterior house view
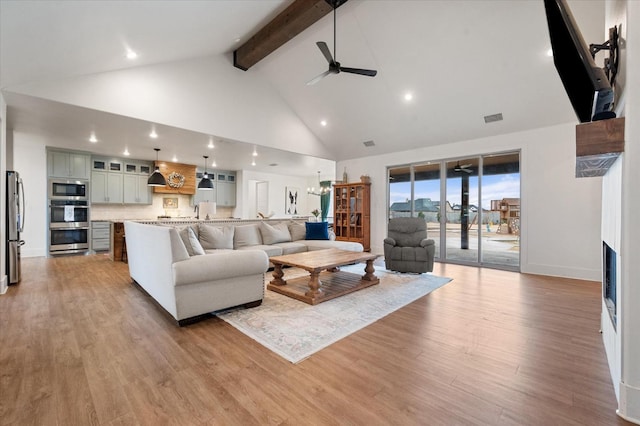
{"x":199,"y":199}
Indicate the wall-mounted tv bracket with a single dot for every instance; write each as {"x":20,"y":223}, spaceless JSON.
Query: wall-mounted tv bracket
{"x":610,"y":63}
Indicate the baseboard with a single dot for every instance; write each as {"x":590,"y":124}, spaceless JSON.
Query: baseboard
{"x":629,"y":408}
{"x":563,"y":272}
{"x":3,"y":285}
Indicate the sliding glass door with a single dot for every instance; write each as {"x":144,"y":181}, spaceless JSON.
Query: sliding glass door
{"x":462,"y":231}
{"x":478,"y":223}
{"x":501,"y":208}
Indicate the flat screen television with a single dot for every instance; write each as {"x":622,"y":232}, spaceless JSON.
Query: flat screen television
{"x":586,"y":84}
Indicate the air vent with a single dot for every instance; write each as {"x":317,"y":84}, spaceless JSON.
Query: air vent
{"x":492,"y":118}
{"x":369,"y":143}
{"x":273,"y":164}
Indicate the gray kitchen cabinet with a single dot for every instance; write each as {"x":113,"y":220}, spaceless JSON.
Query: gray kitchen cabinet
{"x":99,"y":164}
{"x":138,"y":167}
{"x":136,"y":190}
{"x":100,"y":235}
{"x":204,"y":195}
{"x":226,"y":188}
{"x":106,"y":188}
{"x":226,"y":194}
{"x":66,"y":164}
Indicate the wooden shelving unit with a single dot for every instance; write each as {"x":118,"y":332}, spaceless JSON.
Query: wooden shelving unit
{"x":352,"y":218}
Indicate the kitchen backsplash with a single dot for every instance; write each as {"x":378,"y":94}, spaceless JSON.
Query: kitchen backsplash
{"x":152,"y":211}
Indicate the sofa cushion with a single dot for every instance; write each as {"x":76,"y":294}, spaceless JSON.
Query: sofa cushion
{"x":297,"y":230}
{"x":341,"y":245}
{"x":292,"y":247}
{"x":246,"y":235}
{"x":272,"y":234}
{"x":216,"y":237}
{"x":270,"y":250}
{"x":218,"y":251}
{"x":190,"y":240}
{"x":317,"y":231}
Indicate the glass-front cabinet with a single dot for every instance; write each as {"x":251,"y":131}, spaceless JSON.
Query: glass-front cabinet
{"x":352,"y":213}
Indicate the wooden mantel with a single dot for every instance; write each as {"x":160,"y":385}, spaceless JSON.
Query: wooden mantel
{"x":598,"y":144}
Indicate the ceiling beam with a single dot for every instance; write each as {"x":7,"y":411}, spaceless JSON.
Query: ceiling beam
{"x":299,"y":16}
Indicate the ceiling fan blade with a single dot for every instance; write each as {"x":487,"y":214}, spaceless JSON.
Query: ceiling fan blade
{"x":318,"y":78}
{"x":360,"y":71}
{"x":325,"y":51}
{"x":466,"y":170}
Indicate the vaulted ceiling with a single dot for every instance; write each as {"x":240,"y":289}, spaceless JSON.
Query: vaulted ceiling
{"x":460,"y":60}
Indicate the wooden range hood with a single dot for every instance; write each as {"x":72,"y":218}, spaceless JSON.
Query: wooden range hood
{"x":598,"y":145}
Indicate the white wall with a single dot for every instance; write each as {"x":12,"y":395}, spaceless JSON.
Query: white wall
{"x":203,"y":95}
{"x":629,"y":329}
{"x":30,"y":160}
{"x":611,"y":234}
{"x":560,"y":214}
{"x":3,"y":201}
{"x":277,"y":185}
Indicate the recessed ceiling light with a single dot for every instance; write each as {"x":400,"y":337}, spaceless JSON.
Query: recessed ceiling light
{"x":323,"y":123}
{"x":550,"y":52}
{"x":255,"y":153}
{"x":213,"y":164}
{"x":174,"y":159}
{"x":253,"y":162}
{"x":93,"y":138}
{"x":126,"y":152}
{"x":210,"y":146}
{"x":153,"y":134}
{"x":408,"y":96}
{"x":131,"y":54}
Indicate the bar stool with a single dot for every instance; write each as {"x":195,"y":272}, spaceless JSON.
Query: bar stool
{"x":123,"y":256}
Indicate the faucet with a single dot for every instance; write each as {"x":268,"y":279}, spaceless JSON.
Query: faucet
{"x":196,"y":209}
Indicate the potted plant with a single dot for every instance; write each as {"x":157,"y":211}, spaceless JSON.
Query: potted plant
{"x":315,"y":213}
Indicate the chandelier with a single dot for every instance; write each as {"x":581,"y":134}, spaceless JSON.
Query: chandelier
{"x":325,"y":187}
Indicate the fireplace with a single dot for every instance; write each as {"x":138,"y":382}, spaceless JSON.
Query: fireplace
{"x":609,"y":280}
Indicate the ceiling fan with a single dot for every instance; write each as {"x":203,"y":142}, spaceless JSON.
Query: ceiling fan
{"x":462,"y":168}
{"x":334,"y":65}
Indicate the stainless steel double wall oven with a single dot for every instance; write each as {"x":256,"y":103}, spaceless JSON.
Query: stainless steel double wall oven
{"x":68,"y":216}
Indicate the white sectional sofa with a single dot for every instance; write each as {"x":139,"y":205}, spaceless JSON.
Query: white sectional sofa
{"x":195,"y":269}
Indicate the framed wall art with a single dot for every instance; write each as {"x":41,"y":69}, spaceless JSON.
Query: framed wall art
{"x":291,"y":200}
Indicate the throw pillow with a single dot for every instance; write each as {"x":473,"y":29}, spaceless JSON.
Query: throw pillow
{"x":317,"y":230}
{"x":246,"y":235}
{"x":216,"y":237}
{"x":190,"y":241}
{"x":178,"y":250}
{"x":297,"y":230}
{"x":272,"y":234}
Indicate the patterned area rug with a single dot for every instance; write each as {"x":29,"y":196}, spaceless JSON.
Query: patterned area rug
{"x":296,"y":330}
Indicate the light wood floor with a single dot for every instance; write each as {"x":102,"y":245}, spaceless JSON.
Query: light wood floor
{"x":80,"y":345}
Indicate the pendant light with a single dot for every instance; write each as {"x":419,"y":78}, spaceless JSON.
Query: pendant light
{"x":156,"y":178}
{"x":205,"y":183}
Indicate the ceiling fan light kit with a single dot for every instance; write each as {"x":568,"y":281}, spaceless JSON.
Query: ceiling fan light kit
{"x":334,"y":65}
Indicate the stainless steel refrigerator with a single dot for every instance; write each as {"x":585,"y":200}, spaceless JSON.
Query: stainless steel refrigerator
{"x":15,"y":225}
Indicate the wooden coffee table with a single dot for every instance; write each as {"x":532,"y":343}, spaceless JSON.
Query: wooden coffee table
{"x":326,"y":281}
